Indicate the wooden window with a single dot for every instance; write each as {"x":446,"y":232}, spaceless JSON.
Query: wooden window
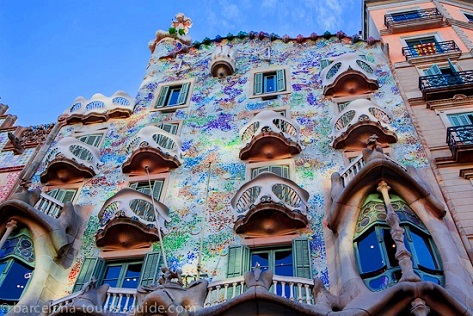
{"x":269,"y":82}
{"x":173,"y":95}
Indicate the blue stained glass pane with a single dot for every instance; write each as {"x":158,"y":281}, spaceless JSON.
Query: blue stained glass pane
{"x":15,"y":281}
{"x":379,"y":283}
{"x":369,"y":253}
{"x":430,"y":278}
{"x":423,"y":251}
{"x":283,"y":263}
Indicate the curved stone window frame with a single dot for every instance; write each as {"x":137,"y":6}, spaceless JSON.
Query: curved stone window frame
{"x":283,"y":163}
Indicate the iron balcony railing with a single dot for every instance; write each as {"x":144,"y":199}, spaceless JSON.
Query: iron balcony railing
{"x":432,"y":48}
{"x":460,"y":136}
{"x":461,"y":78}
{"x":418,"y":16}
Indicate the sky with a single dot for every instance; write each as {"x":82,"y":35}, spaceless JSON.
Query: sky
{"x":53,"y":51}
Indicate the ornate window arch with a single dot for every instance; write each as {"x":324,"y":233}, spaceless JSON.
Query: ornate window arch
{"x":376,"y":251}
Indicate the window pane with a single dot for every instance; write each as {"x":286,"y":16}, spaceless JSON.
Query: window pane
{"x":423,"y":252}
{"x":379,"y":283}
{"x":15,"y":281}
{"x":269,"y":83}
{"x":390,"y":248}
{"x":111,"y":275}
{"x":174,"y":95}
{"x":262,"y":258}
{"x":283,"y":263}
{"x":132,"y":276}
{"x":2,"y":267}
{"x":369,"y":253}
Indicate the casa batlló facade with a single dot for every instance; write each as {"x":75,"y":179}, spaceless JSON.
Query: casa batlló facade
{"x":251,"y":174}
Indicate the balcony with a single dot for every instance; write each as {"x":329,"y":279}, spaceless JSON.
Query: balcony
{"x":55,"y":223}
{"x":270,"y":205}
{"x":130,"y":219}
{"x":268,"y":136}
{"x":357,"y":164}
{"x":347,"y":75}
{"x":155,"y":149}
{"x":99,"y":108}
{"x":460,"y":141}
{"x":222,"y":63}
{"x":123,"y":301}
{"x":359,"y":120}
{"x":435,"y":51}
{"x":445,"y":86}
{"x":71,"y":160}
{"x":413,"y":20}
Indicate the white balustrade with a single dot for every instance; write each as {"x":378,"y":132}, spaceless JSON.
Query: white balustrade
{"x":49,"y":205}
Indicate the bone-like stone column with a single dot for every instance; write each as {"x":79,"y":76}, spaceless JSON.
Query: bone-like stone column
{"x":403,"y":256}
{"x":11,"y":225}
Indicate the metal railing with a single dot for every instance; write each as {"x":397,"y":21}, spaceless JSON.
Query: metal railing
{"x":461,"y":78}
{"x":49,"y":205}
{"x":459,"y":136}
{"x":432,"y":48}
{"x":391,"y":20}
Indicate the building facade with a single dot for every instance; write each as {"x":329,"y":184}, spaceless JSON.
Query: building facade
{"x":253,"y":174}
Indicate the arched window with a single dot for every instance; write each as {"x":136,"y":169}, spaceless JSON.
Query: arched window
{"x":16,"y":266}
{"x":375,"y":249}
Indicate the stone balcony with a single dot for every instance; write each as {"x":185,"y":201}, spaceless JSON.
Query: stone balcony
{"x":131,"y":219}
{"x":99,"y":108}
{"x":270,"y":205}
{"x":71,"y":160}
{"x":360,"y":119}
{"x":348,"y":74}
{"x":222,"y":62}
{"x":268,"y":136}
{"x":155,"y":149}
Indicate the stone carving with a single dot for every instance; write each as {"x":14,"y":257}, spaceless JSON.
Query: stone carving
{"x":169,"y":297}
{"x":258,"y":278}
{"x":178,"y":30}
{"x":15,"y":141}
{"x":373,"y":149}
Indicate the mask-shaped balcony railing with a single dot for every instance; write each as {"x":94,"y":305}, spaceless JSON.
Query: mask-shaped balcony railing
{"x":445,"y":86}
{"x":348,"y":74}
{"x":100,"y":108}
{"x":154,"y":148}
{"x":413,"y":20}
{"x":360,"y":119}
{"x":130,"y":207}
{"x":460,"y":141}
{"x":71,"y":158}
{"x":446,"y":48}
{"x":49,"y":205}
{"x":269,"y":135}
{"x":357,"y":164}
{"x":258,"y":200}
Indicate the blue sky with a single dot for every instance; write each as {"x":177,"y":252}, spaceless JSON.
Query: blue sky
{"x":53,"y":51}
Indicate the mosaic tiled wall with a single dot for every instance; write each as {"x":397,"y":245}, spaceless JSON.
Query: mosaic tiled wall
{"x":210,"y":127}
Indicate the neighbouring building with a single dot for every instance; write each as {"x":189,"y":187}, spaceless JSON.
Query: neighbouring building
{"x":252,"y":174}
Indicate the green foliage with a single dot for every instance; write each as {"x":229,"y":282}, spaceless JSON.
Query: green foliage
{"x":182,"y":32}
{"x":172,"y":30}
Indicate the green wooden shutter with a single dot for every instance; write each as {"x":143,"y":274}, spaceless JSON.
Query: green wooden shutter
{"x":281,"y":80}
{"x":301,"y":255}
{"x":461,"y":119}
{"x":169,"y":127}
{"x":434,"y":70}
{"x":183,"y":93}
{"x":452,"y":66}
{"x":324,"y":63}
{"x":163,"y":93}
{"x":238,"y":261}
{"x":91,"y":267}
{"x":157,"y":189}
{"x":68,"y":195}
{"x":150,"y":270}
{"x":258,"y":83}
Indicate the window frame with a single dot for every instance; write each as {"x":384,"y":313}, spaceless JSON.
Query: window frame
{"x":281,"y":162}
{"x":347,"y":99}
{"x":466,"y":14}
{"x":123,"y":263}
{"x":437,"y":36}
{"x":153,"y":177}
{"x":168,"y":85}
{"x":443,"y":114}
{"x":268,"y":70}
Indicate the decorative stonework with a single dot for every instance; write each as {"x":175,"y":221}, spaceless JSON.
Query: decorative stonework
{"x":222,"y":62}
{"x":178,"y":30}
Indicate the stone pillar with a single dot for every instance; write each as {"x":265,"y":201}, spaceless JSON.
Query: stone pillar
{"x":11,"y":225}
{"x":403,"y":256}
